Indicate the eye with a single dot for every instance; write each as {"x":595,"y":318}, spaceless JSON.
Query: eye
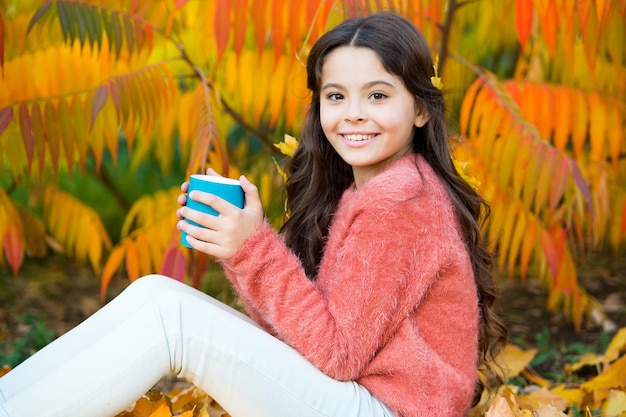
{"x":378,"y":96}
{"x":334,"y":96}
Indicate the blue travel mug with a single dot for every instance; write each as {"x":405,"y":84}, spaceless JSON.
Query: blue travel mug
{"x":226,"y":188}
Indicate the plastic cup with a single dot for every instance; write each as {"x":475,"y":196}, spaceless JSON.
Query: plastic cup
{"x":226,"y":188}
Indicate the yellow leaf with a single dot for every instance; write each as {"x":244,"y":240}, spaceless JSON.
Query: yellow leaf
{"x":146,"y":408}
{"x":572,"y":395}
{"x":616,"y":346}
{"x":288,"y":146}
{"x":543,"y":399}
{"x":612,"y":377}
{"x":548,"y":411}
{"x":615,"y":404}
{"x":515,"y":359}
{"x":589,"y":359}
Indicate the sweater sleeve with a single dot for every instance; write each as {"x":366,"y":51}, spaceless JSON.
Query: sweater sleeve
{"x":382,"y":268}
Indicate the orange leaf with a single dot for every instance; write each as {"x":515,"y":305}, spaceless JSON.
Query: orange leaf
{"x":500,"y":407}
{"x":13,"y":247}
{"x":1,"y":47}
{"x":615,"y":135}
{"x":579,"y":122}
{"x":549,"y":251}
{"x":467,"y":106}
{"x":590,"y":36}
{"x":523,"y":20}
{"x":546,"y":173}
{"x":258,"y":18}
{"x":132,"y":260}
{"x":562,"y":117}
{"x":528,"y":246}
{"x":278,"y":27}
{"x":240,"y":24}
{"x":222,"y":26}
{"x":113,"y":263}
{"x":549,"y":19}
{"x":516,"y":242}
{"x":598,"y":126}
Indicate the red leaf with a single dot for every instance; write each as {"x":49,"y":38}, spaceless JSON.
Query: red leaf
{"x":174,"y":264}
{"x":14,"y":250}
{"x":582,"y":186}
{"x":27,"y":131}
{"x":6,"y":115}
{"x":99,"y":99}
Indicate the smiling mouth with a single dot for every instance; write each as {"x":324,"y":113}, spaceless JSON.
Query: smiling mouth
{"x":358,"y":137}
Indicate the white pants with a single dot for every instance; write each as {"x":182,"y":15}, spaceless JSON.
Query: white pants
{"x":156,"y":326}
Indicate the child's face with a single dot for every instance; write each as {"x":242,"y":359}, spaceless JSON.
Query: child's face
{"x":367,"y":114}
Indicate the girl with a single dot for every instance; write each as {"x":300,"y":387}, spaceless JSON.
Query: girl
{"x":375,"y":299}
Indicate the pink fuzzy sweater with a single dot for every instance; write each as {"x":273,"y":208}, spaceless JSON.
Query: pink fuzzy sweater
{"x":394,"y":306}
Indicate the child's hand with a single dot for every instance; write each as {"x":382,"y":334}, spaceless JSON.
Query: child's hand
{"x":222,"y":235}
{"x":182,"y":198}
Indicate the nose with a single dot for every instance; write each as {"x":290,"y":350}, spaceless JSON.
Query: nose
{"x":354,"y":112}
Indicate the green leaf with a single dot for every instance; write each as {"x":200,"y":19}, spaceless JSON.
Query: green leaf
{"x":116,"y":33}
{"x":80,"y":22}
{"x":130,"y":33}
{"x":38,"y":14}
{"x":67,"y":21}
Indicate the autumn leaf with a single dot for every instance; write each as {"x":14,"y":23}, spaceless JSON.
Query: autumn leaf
{"x":515,"y":359}
{"x":288,"y":146}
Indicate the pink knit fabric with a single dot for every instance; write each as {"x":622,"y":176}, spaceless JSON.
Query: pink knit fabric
{"x":394,"y":306}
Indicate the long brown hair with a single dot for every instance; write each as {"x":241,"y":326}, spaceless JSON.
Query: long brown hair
{"x":317,"y":176}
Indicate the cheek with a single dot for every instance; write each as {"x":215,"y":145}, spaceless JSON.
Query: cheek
{"x":327,"y":121}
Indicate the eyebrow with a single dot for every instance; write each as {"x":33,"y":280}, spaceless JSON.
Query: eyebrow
{"x":366,"y":86}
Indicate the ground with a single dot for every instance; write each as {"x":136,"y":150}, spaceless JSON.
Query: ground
{"x":60,"y":295}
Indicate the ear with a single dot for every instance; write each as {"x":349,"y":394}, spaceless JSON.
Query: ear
{"x":421,"y":114}
{"x":421,"y":117}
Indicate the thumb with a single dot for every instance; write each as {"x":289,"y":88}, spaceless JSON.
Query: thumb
{"x":253,"y":200}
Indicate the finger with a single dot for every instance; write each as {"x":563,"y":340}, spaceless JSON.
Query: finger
{"x":184,"y":186}
{"x":208,"y":221}
{"x":253,"y":200}
{"x":212,"y":172}
{"x":215,"y":202}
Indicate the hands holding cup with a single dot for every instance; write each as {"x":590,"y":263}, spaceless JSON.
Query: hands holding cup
{"x":218,"y":214}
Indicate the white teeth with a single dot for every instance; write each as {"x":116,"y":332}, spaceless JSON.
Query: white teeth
{"x":358,"y":138}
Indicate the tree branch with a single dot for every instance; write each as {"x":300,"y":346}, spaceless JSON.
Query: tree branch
{"x":446,"y":28}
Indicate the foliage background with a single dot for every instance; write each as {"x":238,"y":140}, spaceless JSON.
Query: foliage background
{"x":107,"y":106}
